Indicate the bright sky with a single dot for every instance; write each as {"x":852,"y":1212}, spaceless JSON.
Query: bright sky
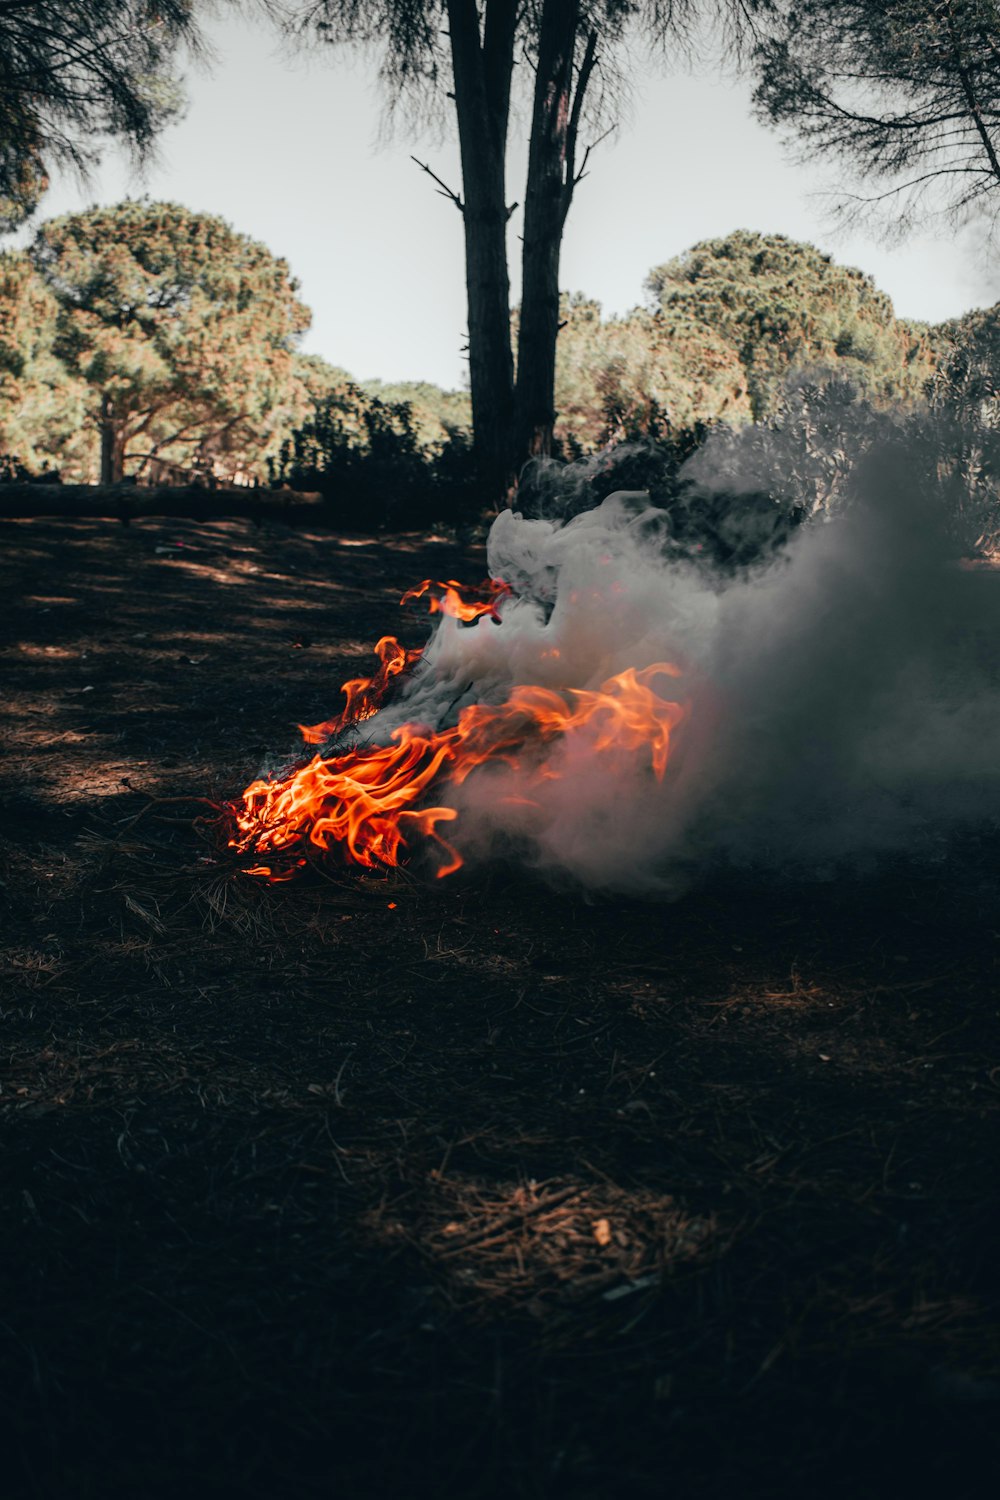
{"x":289,"y":153}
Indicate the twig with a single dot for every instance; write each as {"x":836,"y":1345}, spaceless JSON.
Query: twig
{"x":445,"y":190}
{"x":502,"y":1225}
{"x":216,"y":807}
{"x":586,"y":155}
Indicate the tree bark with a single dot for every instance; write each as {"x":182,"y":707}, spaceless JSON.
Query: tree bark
{"x":112,"y":444}
{"x":549,"y":190}
{"x":482,"y":64}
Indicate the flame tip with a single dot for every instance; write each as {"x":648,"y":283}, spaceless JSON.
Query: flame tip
{"x":364,"y":802}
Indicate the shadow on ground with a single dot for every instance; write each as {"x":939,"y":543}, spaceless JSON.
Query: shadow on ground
{"x":468,"y":1188}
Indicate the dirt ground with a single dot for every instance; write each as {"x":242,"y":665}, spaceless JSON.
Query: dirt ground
{"x":471,"y":1188}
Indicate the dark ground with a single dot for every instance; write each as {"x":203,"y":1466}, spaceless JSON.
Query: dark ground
{"x":487,"y":1192}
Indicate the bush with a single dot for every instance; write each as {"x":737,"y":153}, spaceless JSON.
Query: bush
{"x":364,"y":456}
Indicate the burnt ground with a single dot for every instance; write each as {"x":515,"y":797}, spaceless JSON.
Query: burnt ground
{"x":466,"y":1188}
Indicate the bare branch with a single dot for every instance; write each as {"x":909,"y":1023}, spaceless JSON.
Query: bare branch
{"x":593,"y":147}
{"x":444,"y":190}
{"x":576,"y":109}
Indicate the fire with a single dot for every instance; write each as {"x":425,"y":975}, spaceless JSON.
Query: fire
{"x":365,"y":695}
{"x":372,"y":802}
{"x":451,"y":601}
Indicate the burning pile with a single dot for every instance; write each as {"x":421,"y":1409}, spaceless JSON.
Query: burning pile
{"x":372,"y":802}
{"x":624,"y":714}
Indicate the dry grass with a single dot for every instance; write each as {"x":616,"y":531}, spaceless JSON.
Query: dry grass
{"x":384,"y":1186}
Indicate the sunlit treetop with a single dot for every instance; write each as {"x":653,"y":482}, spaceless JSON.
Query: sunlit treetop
{"x":184,"y":329}
{"x":641,"y":374}
{"x":782,"y":305}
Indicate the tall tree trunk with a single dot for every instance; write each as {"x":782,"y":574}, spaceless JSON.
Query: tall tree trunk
{"x":112,"y":444}
{"x":482,"y":63}
{"x":550,"y":183}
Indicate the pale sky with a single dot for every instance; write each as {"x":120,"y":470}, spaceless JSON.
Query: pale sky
{"x":289,"y":153}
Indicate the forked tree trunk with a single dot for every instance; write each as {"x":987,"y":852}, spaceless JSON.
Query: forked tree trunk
{"x":482,"y":63}
{"x":512,"y":424}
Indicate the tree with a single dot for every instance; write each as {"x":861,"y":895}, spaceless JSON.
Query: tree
{"x":439,"y":416}
{"x":466,"y":51}
{"x":184,"y":332}
{"x":644,"y":375}
{"x":907,"y":92}
{"x":783,"y":307}
{"x":74,"y":72}
{"x":42,"y":407}
{"x":728,"y":325}
{"x":378,"y":454}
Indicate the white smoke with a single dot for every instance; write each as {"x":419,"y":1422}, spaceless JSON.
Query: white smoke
{"x":843,"y":700}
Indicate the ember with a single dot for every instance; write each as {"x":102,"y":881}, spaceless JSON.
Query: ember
{"x":371,"y":802}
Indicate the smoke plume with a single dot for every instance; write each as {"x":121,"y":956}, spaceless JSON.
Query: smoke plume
{"x":841,"y":697}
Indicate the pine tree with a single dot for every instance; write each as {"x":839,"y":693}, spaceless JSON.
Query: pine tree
{"x":905,"y":93}
{"x":184,"y":332}
{"x":438,"y":54}
{"x":784,"y":306}
{"x":42,"y":406}
{"x":76,"y":73}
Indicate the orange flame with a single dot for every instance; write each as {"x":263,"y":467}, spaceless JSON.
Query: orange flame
{"x":365,"y":803}
{"x":451,"y":602}
{"x":365,"y":695}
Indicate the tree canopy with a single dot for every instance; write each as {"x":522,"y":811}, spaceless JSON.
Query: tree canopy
{"x":182,"y":329}
{"x":74,"y":73}
{"x":42,"y":407}
{"x":782,"y":305}
{"x":906,"y":93}
{"x":163,"y":342}
{"x":642,"y":374}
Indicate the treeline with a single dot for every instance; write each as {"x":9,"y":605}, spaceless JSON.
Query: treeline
{"x":148,"y":343}
{"x":152,"y":344}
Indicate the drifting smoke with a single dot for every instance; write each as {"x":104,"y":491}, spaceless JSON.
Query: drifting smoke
{"x":652,"y":693}
{"x":841,"y":700}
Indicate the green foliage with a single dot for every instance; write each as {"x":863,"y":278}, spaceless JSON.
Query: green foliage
{"x":440,"y":417}
{"x":967,"y":377}
{"x":645,"y":375}
{"x":784,"y":307}
{"x":437,"y":417}
{"x":731,"y":323}
{"x":42,"y":406}
{"x":75,"y":73}
{"x":24,"y":183}
{"x":805,"y":454}
{"x":183,"y":331}
{"x":829,"y":442}
{"x":172,"y":337}
{"x":905,"y":92}
{"x":699,"y":512}
{"x":965,"y":399}
{"x":370,"y":458}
